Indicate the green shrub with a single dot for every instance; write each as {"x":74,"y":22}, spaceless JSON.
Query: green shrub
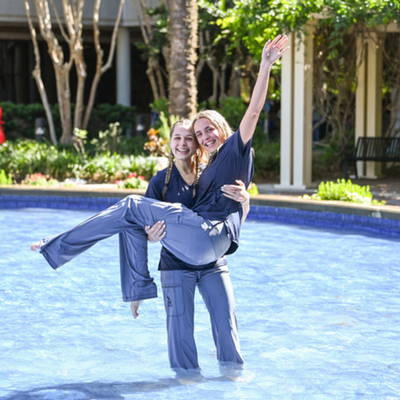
{"x":105,"y":114}
{"x":107,"y":168}
{"x":267,"y":161}
{"x":20,"y":118}
{"x":107,"y":140}
{"x":233,"y":109}
{"x":131,"y":146}
{"x":166,"y":123}
{"x":267,"y":155}
{"x":110,"y":141}
{"x":23,"y":157}
{"x":253,"y":189}
{"x":160,"y":106}
{"x":345,"y":191}
{"x":5,"y":179}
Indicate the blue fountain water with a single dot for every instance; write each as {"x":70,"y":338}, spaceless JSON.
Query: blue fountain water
{"x":318,"y":317}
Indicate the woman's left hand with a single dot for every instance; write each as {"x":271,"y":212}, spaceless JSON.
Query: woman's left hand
{"x":156,"y":232}
{"x":36,"y":246}
{"x":135,"y":307}
{"x":236,"y":192}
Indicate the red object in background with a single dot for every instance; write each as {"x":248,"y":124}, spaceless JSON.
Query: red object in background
{"x":2,"y":135}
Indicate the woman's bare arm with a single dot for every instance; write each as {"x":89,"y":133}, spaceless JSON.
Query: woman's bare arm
{"x":272,"y":51}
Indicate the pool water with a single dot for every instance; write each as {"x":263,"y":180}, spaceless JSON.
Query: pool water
{"x":318,"y":315}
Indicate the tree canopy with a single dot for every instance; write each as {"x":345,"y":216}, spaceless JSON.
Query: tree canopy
{"x":252,"y":22}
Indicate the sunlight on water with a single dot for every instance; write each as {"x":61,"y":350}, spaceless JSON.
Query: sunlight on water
{"x":318,"y":316}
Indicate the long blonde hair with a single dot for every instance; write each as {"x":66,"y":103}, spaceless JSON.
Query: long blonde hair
{"x":217,"y":120}
{"x":223,"y":128}
{"x":197,"y":157}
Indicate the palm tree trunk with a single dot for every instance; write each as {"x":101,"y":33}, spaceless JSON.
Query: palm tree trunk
{"x":182,"y":32}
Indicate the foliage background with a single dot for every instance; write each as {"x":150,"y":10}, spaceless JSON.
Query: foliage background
{"x":232,"y":34}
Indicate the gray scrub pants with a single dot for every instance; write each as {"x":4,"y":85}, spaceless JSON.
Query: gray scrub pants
{"x":190,"y":237}
{"x":216,"y":289}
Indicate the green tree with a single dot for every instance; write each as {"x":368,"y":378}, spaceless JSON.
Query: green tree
{"x":69,"y":24}
{"x":338,"y":24}
{"x":251,"y":22}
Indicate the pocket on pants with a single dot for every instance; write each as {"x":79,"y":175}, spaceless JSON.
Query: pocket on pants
{"x":173,"y":300}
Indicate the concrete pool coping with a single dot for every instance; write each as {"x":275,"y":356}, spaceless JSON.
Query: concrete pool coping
{"x":291,"y":209}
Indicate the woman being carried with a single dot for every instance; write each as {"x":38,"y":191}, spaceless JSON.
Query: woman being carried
{"x":198,"y":236}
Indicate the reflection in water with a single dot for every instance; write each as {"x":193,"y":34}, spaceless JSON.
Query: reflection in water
{"x":109,"y":391}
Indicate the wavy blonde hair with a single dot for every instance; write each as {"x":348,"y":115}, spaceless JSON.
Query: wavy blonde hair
{"x":223,"y":128}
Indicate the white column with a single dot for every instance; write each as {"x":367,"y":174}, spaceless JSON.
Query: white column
{"x":286,"y":116}
{"x":374,"y":102}
{"x":368,"y":120}
{"x":360,"y":112}
{"x":123,"y":67}
{"x":302,"y":154}
{"x":296,"y":113}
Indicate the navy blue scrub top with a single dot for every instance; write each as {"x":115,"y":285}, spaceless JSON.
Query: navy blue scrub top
{"x":178,"y":192}
{"x":232,"y":161}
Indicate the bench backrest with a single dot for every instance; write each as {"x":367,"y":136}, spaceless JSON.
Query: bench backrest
{"x":378,"y":149}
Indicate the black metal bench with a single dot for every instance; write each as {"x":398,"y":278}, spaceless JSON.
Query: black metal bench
{"x":373,"y":149}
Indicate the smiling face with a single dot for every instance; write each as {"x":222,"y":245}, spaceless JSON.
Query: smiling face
{"x":207,"y":135}
{"x":182,"y":143}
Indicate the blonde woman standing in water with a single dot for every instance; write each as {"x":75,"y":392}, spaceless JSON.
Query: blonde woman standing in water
{"x":177,"y":184}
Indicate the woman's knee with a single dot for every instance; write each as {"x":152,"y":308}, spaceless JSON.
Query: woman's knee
{"x":134,"y":197}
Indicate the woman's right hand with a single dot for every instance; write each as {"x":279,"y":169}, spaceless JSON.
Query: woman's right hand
{"x":156,"y":232}
{"x":236,"y":192}
{"x":240,"y":194}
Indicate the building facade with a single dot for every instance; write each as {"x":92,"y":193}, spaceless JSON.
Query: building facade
{"x":125,"y":83}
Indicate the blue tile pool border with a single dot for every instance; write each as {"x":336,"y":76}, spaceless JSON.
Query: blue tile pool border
{"x":375,"y":222}
{"x":327,"y":220}
{"x":57,"y":202}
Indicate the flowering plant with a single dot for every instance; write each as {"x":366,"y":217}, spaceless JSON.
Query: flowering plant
{"x":39,"y":179}
{"x":132,"y":182}
{"x":156,"y":144}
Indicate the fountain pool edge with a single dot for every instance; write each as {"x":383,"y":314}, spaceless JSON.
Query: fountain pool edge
{"x":380,"y":220}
